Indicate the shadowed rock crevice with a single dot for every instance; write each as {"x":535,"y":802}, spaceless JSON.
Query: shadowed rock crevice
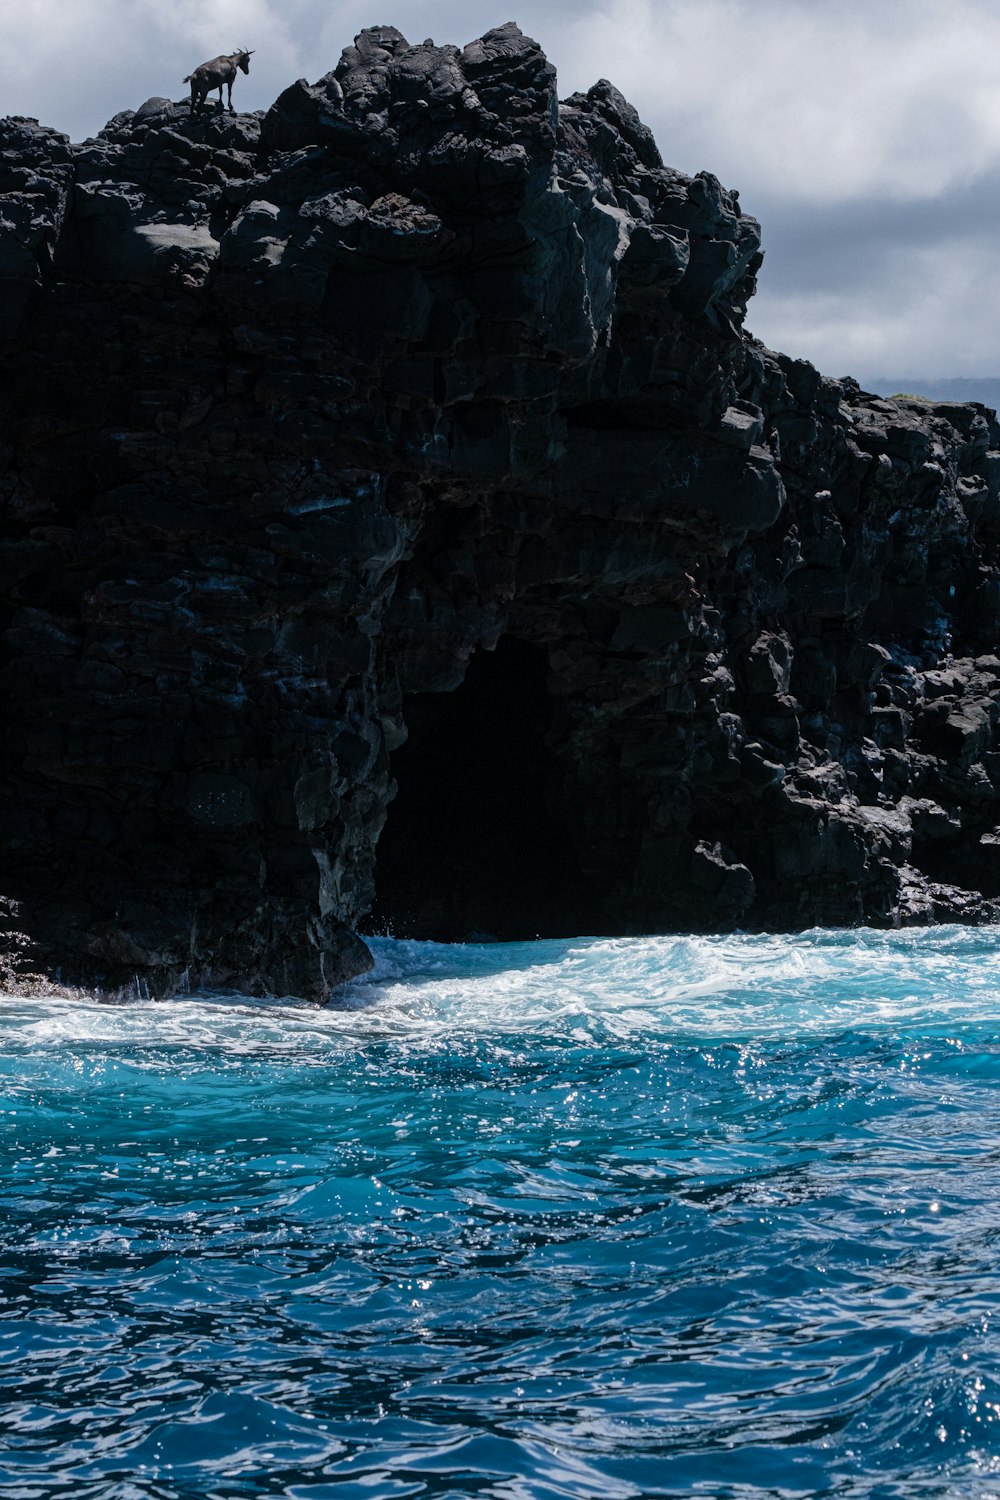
{"x":470,"y":847}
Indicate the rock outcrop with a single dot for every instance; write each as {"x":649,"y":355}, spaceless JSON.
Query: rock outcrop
{"x":423,"y":404}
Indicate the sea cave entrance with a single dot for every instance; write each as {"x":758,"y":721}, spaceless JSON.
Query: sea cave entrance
{"x":471,"y":850}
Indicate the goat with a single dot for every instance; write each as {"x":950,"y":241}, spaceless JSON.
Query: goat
{"x":212,"y":75}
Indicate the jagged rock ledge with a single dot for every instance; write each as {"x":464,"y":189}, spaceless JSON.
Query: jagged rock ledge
{"x":423,"y":403}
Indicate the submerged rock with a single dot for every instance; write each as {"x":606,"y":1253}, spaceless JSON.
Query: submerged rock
{"x":422,"y":405}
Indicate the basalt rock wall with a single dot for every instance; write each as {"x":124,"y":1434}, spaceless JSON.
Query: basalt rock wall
{"x":313,"y":420}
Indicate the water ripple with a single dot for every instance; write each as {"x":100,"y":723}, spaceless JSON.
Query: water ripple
{"x":662,"y":1217}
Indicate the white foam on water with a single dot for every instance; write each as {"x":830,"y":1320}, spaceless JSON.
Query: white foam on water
{"x":736,"y":986}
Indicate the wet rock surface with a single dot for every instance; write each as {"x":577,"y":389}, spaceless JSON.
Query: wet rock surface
{"x":423,"y":404}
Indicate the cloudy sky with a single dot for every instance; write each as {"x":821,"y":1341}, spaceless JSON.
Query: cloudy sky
{"x":864,"y":134}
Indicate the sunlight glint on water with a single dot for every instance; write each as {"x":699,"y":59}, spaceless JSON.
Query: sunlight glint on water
{"x":657,"y":1217}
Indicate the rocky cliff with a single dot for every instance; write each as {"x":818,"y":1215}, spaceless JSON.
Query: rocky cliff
{"x":409,"y":433}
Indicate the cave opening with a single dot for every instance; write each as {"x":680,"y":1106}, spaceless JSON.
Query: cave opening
{"x":471,"y":850}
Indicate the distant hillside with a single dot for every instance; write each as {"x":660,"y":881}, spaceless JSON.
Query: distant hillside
{"x":957,"y":388}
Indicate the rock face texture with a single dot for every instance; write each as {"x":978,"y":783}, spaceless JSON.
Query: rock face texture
{"x":410,"y":433}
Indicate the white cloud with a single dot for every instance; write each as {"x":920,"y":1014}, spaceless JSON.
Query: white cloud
{"x":828,"y":101}
{"x":931,"y":299}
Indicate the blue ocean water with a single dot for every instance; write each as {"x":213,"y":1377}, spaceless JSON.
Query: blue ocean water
{"x":646,"y":1217}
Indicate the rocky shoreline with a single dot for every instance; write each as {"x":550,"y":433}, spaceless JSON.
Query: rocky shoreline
{"x":410,"y":432}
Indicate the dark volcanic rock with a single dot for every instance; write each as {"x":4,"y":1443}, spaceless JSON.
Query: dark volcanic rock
{"x":423,"y":403}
